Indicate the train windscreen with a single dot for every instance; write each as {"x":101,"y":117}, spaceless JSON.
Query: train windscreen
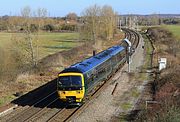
{"x":69,"y":83}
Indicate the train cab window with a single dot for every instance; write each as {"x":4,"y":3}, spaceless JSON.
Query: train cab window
{"x":69,"y":82}
{"x":76,"y":80}
{"x":64,"y":81}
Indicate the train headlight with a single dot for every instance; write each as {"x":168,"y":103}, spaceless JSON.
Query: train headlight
{"x":78,"y":92}
{"x":62,"y":92}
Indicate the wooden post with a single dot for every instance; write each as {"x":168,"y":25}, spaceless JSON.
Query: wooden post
{"x":94,"y":52}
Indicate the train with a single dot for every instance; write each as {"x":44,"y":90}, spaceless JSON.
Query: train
{"x":77,"y":81}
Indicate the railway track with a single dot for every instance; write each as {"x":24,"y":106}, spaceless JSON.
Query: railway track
{"x":68,"y":114}
{"x":28,"y":111}
{"x":132,"y":36}
{"x":50,"y":109}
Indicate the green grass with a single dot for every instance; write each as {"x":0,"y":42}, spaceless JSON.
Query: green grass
{"x":6,"y":99}
{"x":48,"y":43}
{"x":135,"y":93}
{"x":126,"y":106}
{"x":148,"y":49}
{"x":175,"y":29}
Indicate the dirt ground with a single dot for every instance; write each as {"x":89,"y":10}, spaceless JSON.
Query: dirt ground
{"x":107,"y":107}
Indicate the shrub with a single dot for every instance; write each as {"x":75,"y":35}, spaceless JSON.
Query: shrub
{"x":49,"y":27}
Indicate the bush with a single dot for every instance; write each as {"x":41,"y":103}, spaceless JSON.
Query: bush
{"x":33,"y":28}
{"x":8,"y":65}
{"x":68,"y":27}
{"x":162,"y":36}
{"x":3,"y":27}
{"x":49,"y":27}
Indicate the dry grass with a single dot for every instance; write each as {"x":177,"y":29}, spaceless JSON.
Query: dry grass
{"x":47,"y":70}
{"x":168,"y":84}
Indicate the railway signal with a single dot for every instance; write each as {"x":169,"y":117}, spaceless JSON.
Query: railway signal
{"x":129,"y":53}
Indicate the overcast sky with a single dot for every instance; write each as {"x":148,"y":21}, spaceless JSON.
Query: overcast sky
{"x":63,"y":7}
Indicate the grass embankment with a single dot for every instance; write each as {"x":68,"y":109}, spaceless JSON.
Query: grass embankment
{"x":167,"y":85}
{"x":148,"y":51}
{"x":48,"y":43}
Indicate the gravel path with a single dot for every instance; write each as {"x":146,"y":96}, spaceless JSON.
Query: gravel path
{"x":107,"y":107}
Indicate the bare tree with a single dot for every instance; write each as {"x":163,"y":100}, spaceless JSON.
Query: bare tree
{"x":71,"y":16}
{"x":154,"y":19}
{"x":90,"y":20}
{"x":109,"y":19}
{"x":99,"y":22}
{"x":27,"y":14}
{"x":41,"y":14}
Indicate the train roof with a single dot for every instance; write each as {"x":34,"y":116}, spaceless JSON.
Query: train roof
{"x":94,"y":61}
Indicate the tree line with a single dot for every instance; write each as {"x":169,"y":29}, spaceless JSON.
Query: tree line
{"x":39,"y":20}
{"x":95,"y":23}
{"x":98,"y":22}
{"x":21,"y":55}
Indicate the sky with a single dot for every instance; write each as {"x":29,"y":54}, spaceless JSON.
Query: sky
{"x":63,"y":7}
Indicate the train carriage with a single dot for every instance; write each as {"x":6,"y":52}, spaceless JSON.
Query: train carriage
{"x":75,"y":82}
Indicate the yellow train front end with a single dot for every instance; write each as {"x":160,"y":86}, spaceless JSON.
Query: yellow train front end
{"x":70,"y":87}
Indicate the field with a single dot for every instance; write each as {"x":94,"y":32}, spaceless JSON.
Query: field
{"x":175,"y":29}
{"x":5,"y":39}
{"x":48,"y":43}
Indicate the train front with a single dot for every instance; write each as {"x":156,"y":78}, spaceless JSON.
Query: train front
{"x":70,"y":87}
